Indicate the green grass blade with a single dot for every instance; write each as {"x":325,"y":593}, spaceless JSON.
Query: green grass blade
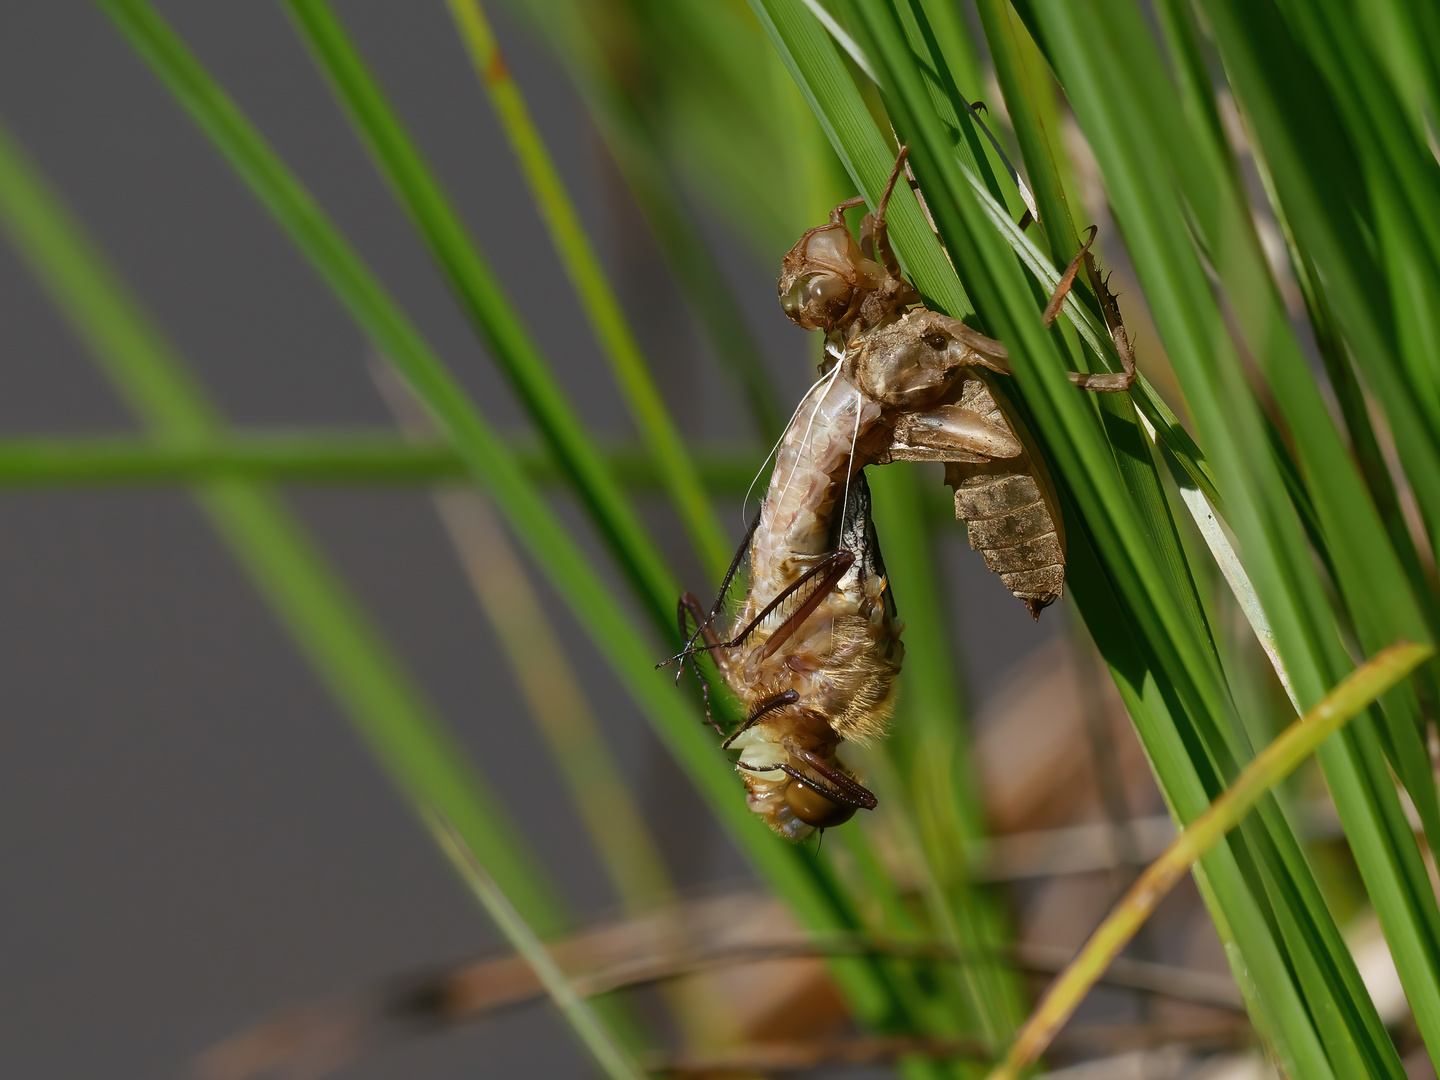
{"x":822,"y":77}
{"x":1187,"y":657}
{"x":1290,"y":591}
{"x":811,"y":55}
{"x":931,"y":754}
{"x":1374,"y":568}
{"x":318,"y":457}
{"x":487,"y":307}
{"x":547,"y":681}
{"x":658,"y":431}
{"x":1272,"y":542}
{"x":612,"y":1058}
{"x":1358,"y":425}
{"x":685,"y":52}
{"x":868,"y":157}
{"x":302,"y":458}
{"x":1312,"y":159}
{"x":1020,"y":90}
{"x":612,"y":817}
{"x":1270,"y":766}
{"x":332,"y":631}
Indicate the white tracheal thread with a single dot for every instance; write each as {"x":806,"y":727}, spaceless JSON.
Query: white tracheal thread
{"x":849,"y":471}
{"x":803,"y":398}
{"x":830,"y":382}
{"x":850,"y":468}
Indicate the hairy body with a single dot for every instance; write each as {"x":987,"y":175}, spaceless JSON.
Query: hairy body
{"x":840,"y":661}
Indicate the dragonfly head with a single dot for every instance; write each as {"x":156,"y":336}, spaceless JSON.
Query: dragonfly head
{"x":797,"y":785}
{"x":813,"y":808}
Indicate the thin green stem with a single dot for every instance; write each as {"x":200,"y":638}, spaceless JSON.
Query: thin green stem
{"x":608,"y":1054}
{"x":678,"y":471}
{"x":318,"y":457}
{"x":484,"y":301}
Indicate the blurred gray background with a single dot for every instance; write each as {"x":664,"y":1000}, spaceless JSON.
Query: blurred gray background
{"x":191,"y":836}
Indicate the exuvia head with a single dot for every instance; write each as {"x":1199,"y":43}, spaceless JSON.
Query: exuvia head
{"x":911,"y":363}
{"x":825,"y":278}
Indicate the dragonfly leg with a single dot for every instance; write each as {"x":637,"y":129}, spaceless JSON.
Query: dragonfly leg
{"x":704,"y":620}
{"x":690,"y":605}
{"x":765,"y":707}
{"x":820,"y":579}
{"x":837,"y":216}
{"x":840,"y":787}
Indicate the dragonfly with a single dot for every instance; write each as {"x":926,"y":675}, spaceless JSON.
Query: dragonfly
{"x":813,"y":649}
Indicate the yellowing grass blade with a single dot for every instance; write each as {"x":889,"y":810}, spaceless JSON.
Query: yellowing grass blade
{"x":1268,"y":768}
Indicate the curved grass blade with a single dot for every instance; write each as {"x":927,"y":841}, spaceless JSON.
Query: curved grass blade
{"x":488,"y":309}
{"x":1190,"y":665}
{"x":1269,"y":767}
{"x":1042,"y":157}
{"x":547,"y":680}
{"x":656,"y":149}
{"x":864,"y":150}
{"x":1316,"y":166}
{"x":1272,"y":542}
{"x":603,"y":1047}
{"x":1354,"y":543}
{"x":931,"y":755}
{"x":607,"y":319}
{"x":853,"y":133}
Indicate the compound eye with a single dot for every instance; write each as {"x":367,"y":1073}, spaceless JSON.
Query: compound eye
{"x":936,"y":341}
{"x":815,"y":809}
{"x":790,"y":301}
{"x":823,"y":290}
{"x":817,"y":301}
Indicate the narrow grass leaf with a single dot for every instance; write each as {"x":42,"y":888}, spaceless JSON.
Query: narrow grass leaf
{"x":1317,"y":172}
{"x":1163,"y":605}
{"x":489,"y":310}
{"x":930,"y":751}
{"x":607,"y":319}
{"x":547,"y":679}
{"x":321,"y":457}
{"x":685,"y":56}
{"x":592,"y":1031}
{"x":1258,"y":506}
{"x":1344,"y":524}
